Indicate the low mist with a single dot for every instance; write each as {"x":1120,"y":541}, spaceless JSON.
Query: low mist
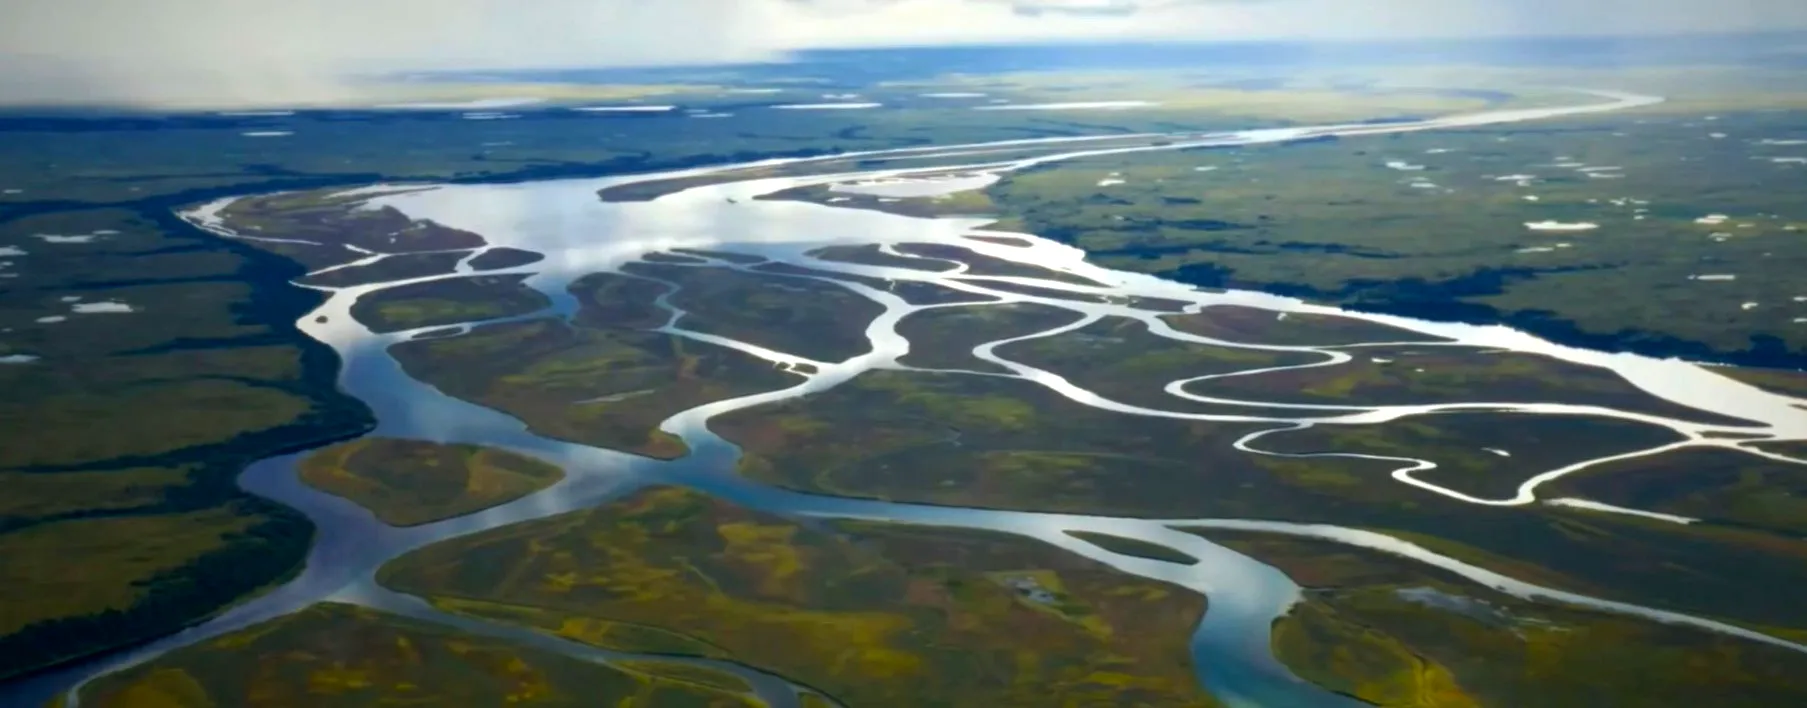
{"x":233,"y":53}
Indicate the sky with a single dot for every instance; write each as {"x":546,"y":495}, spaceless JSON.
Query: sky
{"x":242,"y":52}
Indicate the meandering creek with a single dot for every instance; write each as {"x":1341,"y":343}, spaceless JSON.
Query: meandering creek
{"x":579,"y":234}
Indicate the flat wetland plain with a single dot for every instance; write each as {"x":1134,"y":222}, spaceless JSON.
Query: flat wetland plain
{"x":117,"y":316}
{"x":406,"y":482}
{"x":1434,"y":225}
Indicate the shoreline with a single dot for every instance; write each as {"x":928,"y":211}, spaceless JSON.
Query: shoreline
{"x":1543,"y":324}
{"x":334,"y":416}
{"x":338,"y":365}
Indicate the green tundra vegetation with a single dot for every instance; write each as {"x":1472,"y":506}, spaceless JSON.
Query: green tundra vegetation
{"x":612,"y":300}
{"x":1434,"y":224}
{"x":1711,"y":484}
{"x":609,"y":388}
{"x":192,"y":372}
{"x":864,"y":612}
{"x":1481,"y":454}
{"x":447,"y":301}
{"x":603,"y":379}
{"x":503,"y":257}
{"x":1000,"y":443}
{"x":944,"y":337}
{"x":206,"y":373}
{"x":797,"y":316}
{"x":987,"y":442}
{"x":150,"y":368}
{"x":1419,"y":375}
{"x":1396,"y":633}
{"x":326,"y":222}
{"x":410,"y":482}
{"x":1786,"y":382}
{"x":40,"y":586}
{"x":1119,"y":359}
{"x":1796,"y":449}
{"x":1252,"y":325}
{"x":342,"y":655}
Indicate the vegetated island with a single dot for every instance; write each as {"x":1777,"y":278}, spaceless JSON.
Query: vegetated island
{"x":865,"y":612}
{"x":1394,"y":632}
{"x":412,"y":482}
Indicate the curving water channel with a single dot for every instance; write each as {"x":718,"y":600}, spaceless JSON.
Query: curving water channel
{"x":579,"y":235}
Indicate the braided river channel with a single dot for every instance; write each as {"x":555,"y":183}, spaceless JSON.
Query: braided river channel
{"x":579,"y":233}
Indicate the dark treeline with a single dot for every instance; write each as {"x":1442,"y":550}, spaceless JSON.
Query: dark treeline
{"x":252,"y":559}
{"x":277,"y":545}
{"x":1442,"y":301}
{"x":274,"y":546}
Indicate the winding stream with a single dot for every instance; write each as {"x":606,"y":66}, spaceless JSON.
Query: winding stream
{"x":579,"y":235}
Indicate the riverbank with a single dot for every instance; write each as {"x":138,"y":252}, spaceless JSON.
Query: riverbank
{"x":225,"y":383}
{"x":724,"y":227}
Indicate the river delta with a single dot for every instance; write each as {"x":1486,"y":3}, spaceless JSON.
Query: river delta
{"x":821,"y":455}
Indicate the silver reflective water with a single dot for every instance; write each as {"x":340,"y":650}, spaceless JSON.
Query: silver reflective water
{"x":579,"y":234}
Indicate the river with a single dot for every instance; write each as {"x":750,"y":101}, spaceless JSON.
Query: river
{"x":579,"y":234}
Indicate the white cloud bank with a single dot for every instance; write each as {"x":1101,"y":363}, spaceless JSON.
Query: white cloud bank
{"x":228,"y":52}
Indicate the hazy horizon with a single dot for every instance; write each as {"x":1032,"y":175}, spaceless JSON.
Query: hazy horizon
{"x":252,"y":52}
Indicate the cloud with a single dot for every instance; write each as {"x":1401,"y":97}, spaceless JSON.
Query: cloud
{"x":298,"y":51}
{"x":258,"y":51}
{"x":892,"y":22}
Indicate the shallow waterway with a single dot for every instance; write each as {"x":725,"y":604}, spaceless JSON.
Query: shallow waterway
{"x":579,"y":234}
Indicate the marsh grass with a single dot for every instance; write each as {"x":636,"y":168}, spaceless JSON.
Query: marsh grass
{"x":334,"y":654}
{"x":1395,"y":633}
{"x":406,"y":482}
{"x":862,"y":611}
